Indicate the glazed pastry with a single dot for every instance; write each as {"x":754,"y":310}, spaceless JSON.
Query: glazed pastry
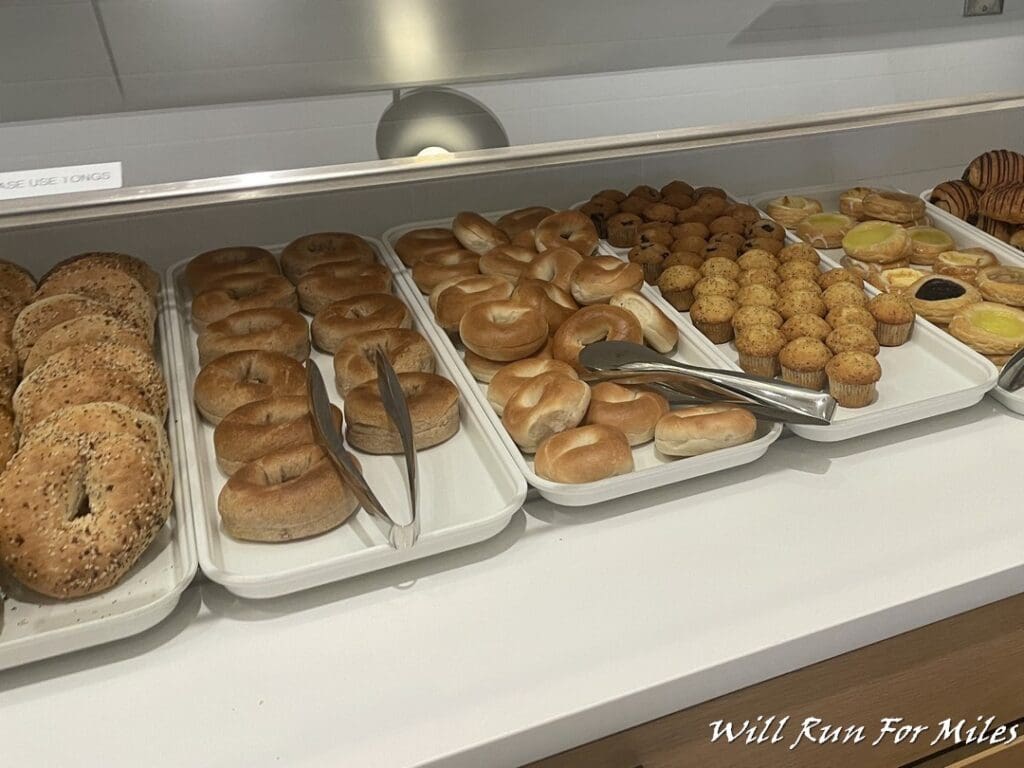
{"x":956,"y":197}
{"x":964,"y":264}
{"x":1004,"y":203}
{"x":851,"y":202}
{"x":852,"y":338}
{"x":994,"y":168}
{"x":1003,"y":284}
{"x":852,"y":377}
{"x":894,"y":316}
{"x":825,"y":230}
{"x":712,"y":316}
{"x":878,"y":242}
{"x":898,"y":207}
{"x":938,"y":297}
{"x":990,"y":329}
{"x":759,"y":348}
{"x":790,"y":210}
{"x":803,"y":362}
{"x":806,"y":326}
{"x":926,"y":243}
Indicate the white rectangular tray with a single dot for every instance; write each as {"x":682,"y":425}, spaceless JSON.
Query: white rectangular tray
{"x":34,"y":627}
{"x":927,"y":376}
{"x":469,"y":490}
{"x":653,"y":470}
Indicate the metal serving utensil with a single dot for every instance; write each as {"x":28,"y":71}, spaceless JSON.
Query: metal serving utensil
{"x":1011,"y":378}
{"x":334,"y":446}
{"x":765,"y":398}
{"x":396,"y":406}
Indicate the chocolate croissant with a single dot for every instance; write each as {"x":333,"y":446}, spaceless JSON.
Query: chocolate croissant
{"x":1000,"y":230}
{"x":995,"y":168}
{"x":1004,"y":204}
{"x":956,"y":197}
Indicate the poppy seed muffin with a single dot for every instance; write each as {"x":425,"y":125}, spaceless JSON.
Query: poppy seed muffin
{"x":759,"y":348}
{"x":712,"y":316}
{"x":801,"y":304}
{"x":799,"y":252}
{"x":851,"y":315}
{"x":810,"y":326}
{"x":895,"y":318}
{"x":757,"y":295}
{"x":852,"y":377}
{"x":852,"y":338}
{"x":676,"y":284}
{"x":749,"y":316}
{"x":803,"y":361}
{"x":843,"y":294}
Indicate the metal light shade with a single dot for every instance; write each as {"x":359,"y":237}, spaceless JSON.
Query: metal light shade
{"x":437,"y":117}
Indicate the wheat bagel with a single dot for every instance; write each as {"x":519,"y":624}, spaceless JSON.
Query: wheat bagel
{"x":369,"y":312}
{"x":433,"y":408}
{"x":309,"y":251}
{"x":355,"y":360}
{"x":213,"y":265}
{"x":270,"y":329}
{"x":234,"y":293}
{"x":237,"y":378}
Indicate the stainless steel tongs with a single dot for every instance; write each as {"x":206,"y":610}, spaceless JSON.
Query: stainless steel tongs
{"x":625,"y":362}
{"x":400,"y":535}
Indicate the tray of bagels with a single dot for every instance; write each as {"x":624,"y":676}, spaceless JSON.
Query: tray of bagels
{"x":512,"y":299}
{"x":969,"y":289}
{"x":272,"y":515}
{"x":95,"y":523}
{"x":776,"y":306}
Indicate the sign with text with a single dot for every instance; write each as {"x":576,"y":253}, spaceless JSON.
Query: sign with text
{"x":59,"y":181}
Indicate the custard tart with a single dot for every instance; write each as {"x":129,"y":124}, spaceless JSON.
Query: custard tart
{"x":988,"y":328}
{"x":926,"y":243}
{"x":1004,"y":284}
{"x":938,"y":297}
{"x":964,"y":264}
{"x":898,"y":281}
{"x":825,"y":230}
{"x":790,"y":210}
{"x":877,"y":242}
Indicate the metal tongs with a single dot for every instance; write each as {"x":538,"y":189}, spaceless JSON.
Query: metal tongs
{"x":628,"y":363}
{"x":400,"y":536}
{"x":1011,"y":378}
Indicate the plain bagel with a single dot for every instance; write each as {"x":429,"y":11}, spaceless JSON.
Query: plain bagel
{"x":596,"y":280}
{"x":590,"y":325}
{"x":584,"y":455}
{"x":554,"y":266}
{"x":556,"y":305}
{"x":660,"y":333}
{"x":476,"y":233}
{"x":454,"y":301}
{"x":514,"y":375}
{"x":503,"y":330}
{"x":517,"y":222}
{"x":702,"y":429}
{"x":570,"y":229}
{"x":543,"y":406}
{"x":417,"y":243}
{"x":635,"y":412}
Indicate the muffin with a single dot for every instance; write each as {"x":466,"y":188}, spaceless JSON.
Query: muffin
{"x":806,"y":326}
{"x":758,"y":258}
{"x":760,"y":276}
{"x":895,"y":318}
{"x":683,"y":259}
{"x":654,"y":232}
{"x":727,"y":225}
{"x":852,"y":338}
{"x":769,"y":244}
{"x":691,"y":243}
{"x":622,"y":229}
{"x":801,"y":304}
{"x":803,"y":361}
{"x":757,"y":295}
{"x":716,"y":286}
{"x":759,"y":348}
{"x":691,"y":229}
{"x":850,"y":314}
{"x":852,"y":377}
{"x":843,"y":294}
{"x":766,"y":228}
{"x":792,"y":269}
{"x":676,"y":285}
{"x":747,"y":317}
{"x":718,"y":266}
{"x":728,"y":238}
{"x":720,"y":249}
{"x":660,"y":212}
{"x":712,"y":316}
{"x":798,"y":284}
{"x":799,"y":252}
{"x":841,"y":275}
{"x":650,"y":258}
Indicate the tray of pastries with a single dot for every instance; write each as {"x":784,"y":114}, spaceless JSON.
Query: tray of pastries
{"x":513,"y":298}
{"x":96,"y":541}
{"x":989,"y":196}
{"x":965,"y":285}
{"x":776,"y":306}
{"x":271,"y":515}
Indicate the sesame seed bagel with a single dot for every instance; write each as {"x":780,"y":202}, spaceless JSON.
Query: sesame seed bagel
{"x":268,"y":328}
{"x":130,"y":265}
{"x":256,"y":429}
{"x":40,"y":316}
{"x":8,"y":371}
{"x":237,"y":378}
{"x":122,"y":294}
{"x":86,"y":329}
{"x":83,"y":498}
{"x":8,"y":436}
{"x":17,"y":281}
{"x":289,"y":494}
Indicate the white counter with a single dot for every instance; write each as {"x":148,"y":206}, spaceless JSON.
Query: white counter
{"x":570,"y":625}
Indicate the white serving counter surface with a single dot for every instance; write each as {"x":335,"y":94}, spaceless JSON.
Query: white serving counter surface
{"x":570,"y":625}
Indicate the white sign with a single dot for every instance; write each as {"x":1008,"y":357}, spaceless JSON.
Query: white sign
{"x":59,"y":181}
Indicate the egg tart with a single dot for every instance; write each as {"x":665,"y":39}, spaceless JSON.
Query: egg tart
{"x":790,"y":210}
{"x":964,"y":264}
{"x":988,"y":328}
{"x":851,"y":202}
{"x":926,"y":243}
{"x":939,"y":297}
{"x":825,"y":230}
{"x":898,"y":207}
{"x":877,"y":242}
{"x":1004,"y":284}
{"x":897,"y":280}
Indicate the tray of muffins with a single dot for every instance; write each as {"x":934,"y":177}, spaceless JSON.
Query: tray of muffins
{"x":272,"y":515}
{"x":965,"y":285}
{"x":786,"y":310}
{"x":96,"y":541}
{"x":513,"y":298}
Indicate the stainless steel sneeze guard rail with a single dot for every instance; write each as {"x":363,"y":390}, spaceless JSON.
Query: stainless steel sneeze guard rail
{"x":263,"y":185}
